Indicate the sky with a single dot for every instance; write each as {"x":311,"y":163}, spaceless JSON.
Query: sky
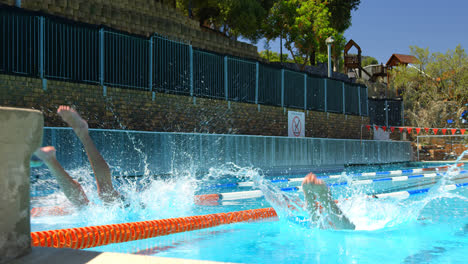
{"x":384,"y":27}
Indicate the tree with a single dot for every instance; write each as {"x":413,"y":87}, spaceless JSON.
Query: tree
{"x":304,"y":25}
{"x":233,"y":18}
{"x":273,"y":56}
{"x":435,"y":90}
{"x":368,"y":60}
{"x":341,"y":13}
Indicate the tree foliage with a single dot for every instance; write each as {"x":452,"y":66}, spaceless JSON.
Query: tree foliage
{"x":273,"y":56}
{"x":368,"y":60}
{"x":304,"y":26}
{"x":341,"y":13}
{"x":435,"y":90}
{"x":234,"y":18}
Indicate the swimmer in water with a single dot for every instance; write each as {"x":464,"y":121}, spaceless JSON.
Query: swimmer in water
{"x":70,"y":187}
{"x":319,"y":201}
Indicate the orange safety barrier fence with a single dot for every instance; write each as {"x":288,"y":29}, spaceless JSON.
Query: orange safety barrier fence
{"x":94,"y":236}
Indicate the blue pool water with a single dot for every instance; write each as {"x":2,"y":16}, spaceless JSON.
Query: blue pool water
{"x":426,"y":228}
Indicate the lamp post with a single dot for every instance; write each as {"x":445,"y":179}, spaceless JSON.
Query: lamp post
{"x":329,"y":42}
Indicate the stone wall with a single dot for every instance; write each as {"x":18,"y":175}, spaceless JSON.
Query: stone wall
{"x":135,"y":110}
{"x":142,"y":17}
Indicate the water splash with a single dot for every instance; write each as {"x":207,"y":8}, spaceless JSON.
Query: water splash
{"x":147,"y":198}
{"x":365,"y":212}
{"x":137,"y":144}
{"x":231,"y":170}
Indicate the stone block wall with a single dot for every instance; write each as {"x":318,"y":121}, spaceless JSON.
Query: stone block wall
{"x":141,"y":17}
{"x":135,"y":110}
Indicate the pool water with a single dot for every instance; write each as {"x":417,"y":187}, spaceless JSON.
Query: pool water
{"x":425,"y":228}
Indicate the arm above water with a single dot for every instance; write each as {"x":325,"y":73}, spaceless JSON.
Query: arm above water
{"x":318,"y":198}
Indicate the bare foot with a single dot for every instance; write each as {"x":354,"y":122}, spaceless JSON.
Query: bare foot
{"x":73,"y":119}
{"x":45,"y":153}
{"x":314,"y":188}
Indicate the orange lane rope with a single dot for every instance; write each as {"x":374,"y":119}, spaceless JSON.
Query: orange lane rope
{"x":94,"y":236}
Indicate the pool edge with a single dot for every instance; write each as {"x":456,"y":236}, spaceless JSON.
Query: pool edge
{"x":42,"y":255}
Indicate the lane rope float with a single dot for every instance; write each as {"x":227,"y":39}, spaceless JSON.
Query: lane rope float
{"x":206,"y":200}
{"x":94,"y":236}
{"x":335,"y":176}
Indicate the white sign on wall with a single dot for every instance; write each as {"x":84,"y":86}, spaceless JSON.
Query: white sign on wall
{"x":296,"y":124}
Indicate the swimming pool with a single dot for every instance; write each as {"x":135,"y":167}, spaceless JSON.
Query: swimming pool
{"x":428,"y":227}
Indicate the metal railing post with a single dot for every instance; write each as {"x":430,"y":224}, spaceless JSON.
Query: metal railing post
{"x":101,"y":56}
{"x":417,"y":146}
{"x":344,"y":98}
{"x":367,"y":102}
{"x":226,"y":95}
{"x":150,"y":76}
{"x":305,"y":91}
{"x":402,"y":113}
{"x":359,"y":100}
{"x":257,"y":67}
{"x":282,"y":87}
{"x":325,"y":88}
{"x":41,"y":52}
{"x":386,"y":113}
{"x":191,"y":69}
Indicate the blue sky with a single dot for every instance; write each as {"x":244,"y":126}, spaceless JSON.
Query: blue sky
{"x":384,"y":27}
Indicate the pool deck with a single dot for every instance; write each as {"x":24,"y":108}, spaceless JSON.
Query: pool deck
{"x":71,"y":256}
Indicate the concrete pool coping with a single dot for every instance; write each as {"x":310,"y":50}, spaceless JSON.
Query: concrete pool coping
{"x":42,"y":255}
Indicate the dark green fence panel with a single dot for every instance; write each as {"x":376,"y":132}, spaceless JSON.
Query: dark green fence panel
{"x":351,"y":99}
{"x":334,"y":96}
{"x":126,"y":61}
{"x":71,"y":52}
{"x":208,"y":74}
{"x":269,"y":90}
{"x":377,"y":112}
{"x":241,"y":80}
{"x":294,"y":89}
{"x":19,"y":42}
{"x":57,"y":48}
{"x":364,"y":101}
{"x":394,"y":113}
{"x":315,"y":94}
{"x":171,"y":66}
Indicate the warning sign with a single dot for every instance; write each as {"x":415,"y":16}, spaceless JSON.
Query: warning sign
{"x":296,"y":124}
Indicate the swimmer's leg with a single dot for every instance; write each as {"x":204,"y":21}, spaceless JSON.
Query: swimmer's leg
{"x":317,"y":195}
{"x":70,"y":187}
{"x":101,"y":170}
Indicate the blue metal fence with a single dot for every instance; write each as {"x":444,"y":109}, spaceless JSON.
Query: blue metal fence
{"x":294,"y":89}
{"x":72,"y":51}
{"x":351,"y":99}
{"x":315,"y":94}
{"x":125,"y":60}
{"x":171,"y":66}
{"x":207,"y":78}
{"x":334,"y":96}
{"x":241,"y":80}
{"x":269,"y":85}
{"x":386,"y":112}
{"x":54,"y":48}
{"x":19,"y":43}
